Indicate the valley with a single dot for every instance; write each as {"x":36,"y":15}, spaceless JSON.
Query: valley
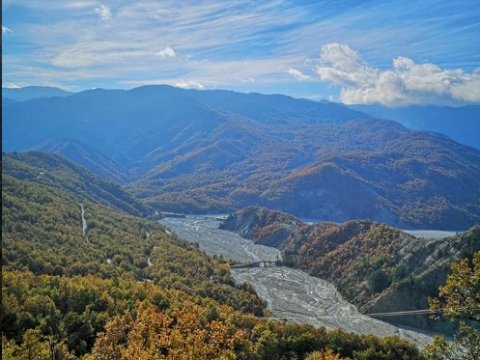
{"x":377,"y":267}
{"x":240,"y":180}
{"x":291,"y":294}
{"x":67,"y":297}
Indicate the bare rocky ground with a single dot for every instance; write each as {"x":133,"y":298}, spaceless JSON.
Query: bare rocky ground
{"x":214,"y":241}
{"x":431,"y":234}
{"x":291,"y":294}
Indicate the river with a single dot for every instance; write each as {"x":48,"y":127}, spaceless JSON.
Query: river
{"x":291,"y":294}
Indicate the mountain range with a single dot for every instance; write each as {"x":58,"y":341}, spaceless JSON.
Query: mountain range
{"x":462,"y":124}
{"x":216,"y":151}
{"x":33,"y":92}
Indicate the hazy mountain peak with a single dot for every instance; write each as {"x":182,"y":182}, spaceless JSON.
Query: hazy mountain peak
{"x":33,"y":92}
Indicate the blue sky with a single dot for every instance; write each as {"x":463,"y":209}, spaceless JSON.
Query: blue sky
{"x":388,"y":52}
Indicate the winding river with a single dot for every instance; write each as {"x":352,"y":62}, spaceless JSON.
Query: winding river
{"x":291,"y":294}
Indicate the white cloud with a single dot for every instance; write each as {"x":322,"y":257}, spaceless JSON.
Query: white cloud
{"x":407,"y":82}
{"x":10,"y":85}
{"x":189,"y":85}
{"x":168,"y":52}
{"x":297,"y":74}
{"x":5,"y":30}
{"x":104,"y":12}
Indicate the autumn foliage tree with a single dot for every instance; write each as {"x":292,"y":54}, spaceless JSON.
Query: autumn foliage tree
{"x":459,"y":300}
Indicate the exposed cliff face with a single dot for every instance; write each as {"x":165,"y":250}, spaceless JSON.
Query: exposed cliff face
{"x":264,"y":226}
{"x":375,"y":266}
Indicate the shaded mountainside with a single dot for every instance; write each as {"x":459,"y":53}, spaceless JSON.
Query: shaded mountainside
{"x":459,"y":123}
{"x":377,"y":267}
{"x":408,"y":179}
{"x":217,"y":151}
{"x":53,"y":170}
{"x":126,"y":289}
{"x":127,"y":124}
{"x":80,"y":153}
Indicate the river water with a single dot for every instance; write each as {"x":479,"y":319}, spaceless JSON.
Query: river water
{"x":291,"y":294}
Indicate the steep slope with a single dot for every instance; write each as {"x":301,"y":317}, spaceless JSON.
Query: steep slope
{"x":379,"y":268}
{"x":408,"y":179}
{"x":43,"y":233}
{"x":424,"y":270}
{"x":216,"y":151}
{"x":68,"y":294}
{"x":459,"y":123}
{"x":80,"y":153}
{"x":53,"y":170}
{"x":33,"y":92}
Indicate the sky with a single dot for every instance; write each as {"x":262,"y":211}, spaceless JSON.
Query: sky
{"x":393,"y":53}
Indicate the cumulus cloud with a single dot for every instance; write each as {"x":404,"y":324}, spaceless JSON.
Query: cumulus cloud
{"x":104,"y":12}
{"x":297,"y":74}
{"x":5,"y":30}
{"x":168,"y":52}
{"x":405,"y":83}
{"x":189,"y":85}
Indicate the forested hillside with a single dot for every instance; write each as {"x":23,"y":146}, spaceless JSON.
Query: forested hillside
{"x":83,"y":155}
{"x":126,"y":289}
{"x":56,"y":171}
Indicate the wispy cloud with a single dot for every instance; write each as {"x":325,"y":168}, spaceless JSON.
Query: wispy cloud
{"x":405,"y":83}
{"x":297,"y":74}
{"x":232,"y":43}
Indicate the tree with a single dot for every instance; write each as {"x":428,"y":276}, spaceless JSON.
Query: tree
{"x":459,"y":300}
{"x":324,"y":355}
{"x":378,"y":280}
{"x":32,"y":347}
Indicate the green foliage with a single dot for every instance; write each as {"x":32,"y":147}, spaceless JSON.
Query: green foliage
{"x":72,"y":314}
{"x":378,"y":280}
{"x":53,"y":170}
{"x":128,"y":290}
{"x":399,"y":273}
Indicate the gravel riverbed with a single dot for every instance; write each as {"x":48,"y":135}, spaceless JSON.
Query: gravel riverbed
{"x":291,"y":294}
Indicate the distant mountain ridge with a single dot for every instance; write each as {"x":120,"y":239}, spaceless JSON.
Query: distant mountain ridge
{"x":462,"y":124}
{"x":216,"y":151}
{"x":33,"y":92}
